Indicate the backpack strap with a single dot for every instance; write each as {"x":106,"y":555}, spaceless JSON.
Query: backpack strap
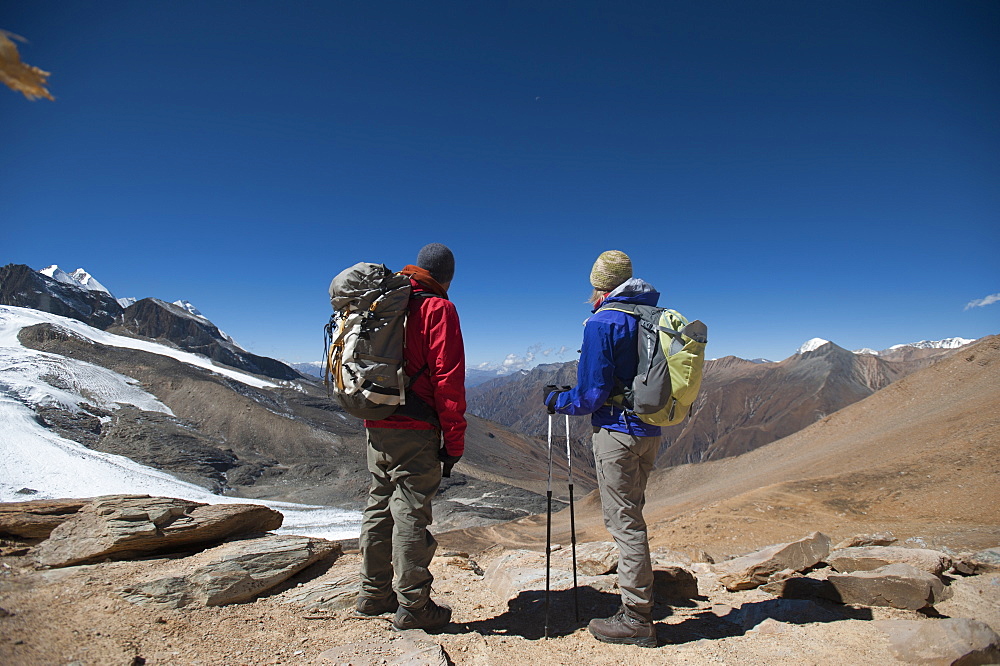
{"x":414,"y":406}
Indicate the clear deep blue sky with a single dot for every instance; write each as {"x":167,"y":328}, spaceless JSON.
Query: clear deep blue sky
{"x":781,"y":170}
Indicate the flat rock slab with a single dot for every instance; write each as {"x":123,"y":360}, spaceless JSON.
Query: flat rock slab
{"x":329,"y":595}
{"x":755,"y":569}
{"x":407,"y":648}
{"x":130,"y":526}
{"x":36,"y":519}
{"x":518,"y":571}
{"x":894,"y":585}
{"x":867,"y":558}
{"x":231,"y":573}
{"x":942,"y":642}
{"x":593,"y":558}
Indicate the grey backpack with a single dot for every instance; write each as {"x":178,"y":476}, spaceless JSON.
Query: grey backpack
{"x":364,"y":342}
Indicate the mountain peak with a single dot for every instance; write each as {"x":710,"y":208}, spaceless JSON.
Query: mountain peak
{"x":811,"y":345}
{"x":79,"y":278}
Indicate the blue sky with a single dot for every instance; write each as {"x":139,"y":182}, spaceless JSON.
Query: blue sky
{"x":780,"y":170}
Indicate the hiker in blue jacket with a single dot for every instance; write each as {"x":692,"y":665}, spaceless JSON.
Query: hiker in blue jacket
{"x":625,"y":447}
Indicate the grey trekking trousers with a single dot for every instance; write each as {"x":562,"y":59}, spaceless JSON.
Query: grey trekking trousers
{"x":405,"y":476}
{"x":623,"y":466}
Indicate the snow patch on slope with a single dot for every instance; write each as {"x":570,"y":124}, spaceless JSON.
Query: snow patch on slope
{"x":33,"y":457}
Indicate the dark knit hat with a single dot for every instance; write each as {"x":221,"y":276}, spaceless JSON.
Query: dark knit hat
{"x":437,"y":260}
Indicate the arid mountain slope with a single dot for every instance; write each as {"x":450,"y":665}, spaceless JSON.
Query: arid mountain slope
{"x":745,"y":405}
{"x":921,"y":457}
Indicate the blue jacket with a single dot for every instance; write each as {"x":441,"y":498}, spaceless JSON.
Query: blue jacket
{"x":610,"y":341}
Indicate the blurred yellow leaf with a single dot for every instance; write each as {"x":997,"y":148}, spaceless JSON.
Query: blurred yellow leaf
{"x":19,"y":76}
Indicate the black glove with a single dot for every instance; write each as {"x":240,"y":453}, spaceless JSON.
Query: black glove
{"x":448,"y":461}
{"x":551,"y":392}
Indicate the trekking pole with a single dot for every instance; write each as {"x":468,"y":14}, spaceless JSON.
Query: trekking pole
{"x":572,"y":523}
{"x":548,"y":532}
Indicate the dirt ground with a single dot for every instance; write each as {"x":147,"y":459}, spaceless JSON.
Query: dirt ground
{"x":75,"y":616}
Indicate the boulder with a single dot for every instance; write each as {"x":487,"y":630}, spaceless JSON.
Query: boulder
{"x":36,"y":519}
{"x":672,"y":583}
{"x":867,"y":558}
{"x":231,"y":573}
{"x":755,"y":569}
{"x":895,"y":585}
{"x":942,"y":642}
{"x":877,"y":539}
{"x":129,"y":526}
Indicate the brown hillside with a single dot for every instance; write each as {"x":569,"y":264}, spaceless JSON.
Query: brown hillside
{"x":919,"y":457}
{"x":744,"y":405}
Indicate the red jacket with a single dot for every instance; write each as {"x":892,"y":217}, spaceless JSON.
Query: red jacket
{"x":434,"y":341}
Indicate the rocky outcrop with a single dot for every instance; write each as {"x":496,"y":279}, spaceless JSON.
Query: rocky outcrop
{"x":231,"y":573}
{"x":128,"y":526}
{"x":756,"y":569}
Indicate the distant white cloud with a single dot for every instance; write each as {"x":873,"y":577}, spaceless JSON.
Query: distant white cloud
{"x":530,"y":358}
{"x":982,"y":302}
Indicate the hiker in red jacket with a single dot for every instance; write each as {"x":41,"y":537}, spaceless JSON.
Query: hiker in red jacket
{"x":405,"y":454}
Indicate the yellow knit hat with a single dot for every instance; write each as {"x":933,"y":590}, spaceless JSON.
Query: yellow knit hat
{"x":610,"y":270}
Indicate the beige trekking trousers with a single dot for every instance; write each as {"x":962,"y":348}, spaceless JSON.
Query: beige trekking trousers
{"x":623,"y":466}
{"x":405,"y":476}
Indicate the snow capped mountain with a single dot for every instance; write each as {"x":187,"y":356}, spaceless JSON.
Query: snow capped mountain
{"x":127,"y":301}
{"x":811,"y":345}
{"x":59,"y":275}
{"x":87,"y":281}
{"x":947,"y":343}
{"x":78,"y":278}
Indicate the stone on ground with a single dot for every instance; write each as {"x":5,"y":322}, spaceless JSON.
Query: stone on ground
{"x":755,"y":569}
{"x":231,"y":573}
{"x":867,"y":558}
{"x":130,"y":526}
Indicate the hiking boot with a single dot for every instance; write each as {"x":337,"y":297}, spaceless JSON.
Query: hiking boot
{"x":373,"y":606}
{"x":626,"y":626}
{"x":430,"y":618}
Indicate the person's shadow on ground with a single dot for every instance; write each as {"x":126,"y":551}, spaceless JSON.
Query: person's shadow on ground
{"x":526,"y":616}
